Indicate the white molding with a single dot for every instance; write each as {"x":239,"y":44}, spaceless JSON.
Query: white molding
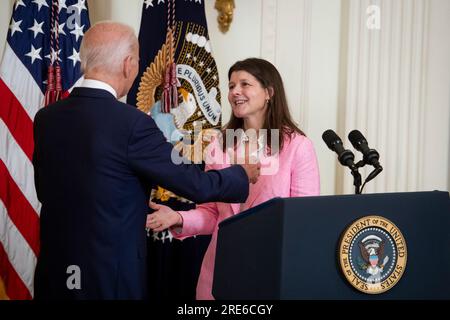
{"x":286,"y":42}
{"x":268,"y":29}
{"x":423,"y":93}
{"x":305,"y":64}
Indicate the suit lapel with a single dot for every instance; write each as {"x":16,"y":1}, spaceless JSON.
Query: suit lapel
{"x":235,"y":207}
{"x":254,"y":193}
{"x":255,"y":190}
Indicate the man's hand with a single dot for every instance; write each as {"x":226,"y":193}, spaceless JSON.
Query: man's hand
{"x":250,"y":164}
{"x":253,"y":171}
{"x":163,"y":218}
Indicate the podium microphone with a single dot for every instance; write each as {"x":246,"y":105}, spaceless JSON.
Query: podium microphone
{"x":370,"y":156}
{"x":345,"y":157}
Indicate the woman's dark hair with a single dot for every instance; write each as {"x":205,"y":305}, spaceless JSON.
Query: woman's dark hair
{"x":278,"y":115}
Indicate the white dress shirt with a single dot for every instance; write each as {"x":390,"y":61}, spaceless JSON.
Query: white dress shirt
{"x":97,"y":84}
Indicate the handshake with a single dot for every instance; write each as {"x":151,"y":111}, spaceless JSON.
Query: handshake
{"x":164,"y":217}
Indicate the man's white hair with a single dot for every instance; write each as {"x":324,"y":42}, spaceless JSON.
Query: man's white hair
{"x":105,"y":45}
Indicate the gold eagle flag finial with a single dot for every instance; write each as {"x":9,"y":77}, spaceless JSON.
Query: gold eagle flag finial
{"x":225,"y":9}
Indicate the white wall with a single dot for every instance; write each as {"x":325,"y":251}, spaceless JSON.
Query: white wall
{"x":128,"y":11}
{"x":310,"y":43}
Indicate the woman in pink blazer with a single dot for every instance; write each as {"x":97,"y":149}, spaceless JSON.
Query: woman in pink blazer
{"x":288,"y":160}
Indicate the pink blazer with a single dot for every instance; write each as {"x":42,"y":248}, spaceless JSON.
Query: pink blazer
{"x":297,"y":176}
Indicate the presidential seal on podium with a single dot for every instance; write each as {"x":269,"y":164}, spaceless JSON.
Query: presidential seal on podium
{"x":372,"y":254}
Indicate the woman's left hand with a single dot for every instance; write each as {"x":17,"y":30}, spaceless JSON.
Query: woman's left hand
{"x":163,"y":217}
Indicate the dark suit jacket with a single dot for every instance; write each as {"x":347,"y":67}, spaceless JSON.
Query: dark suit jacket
{"x":95,"y":160}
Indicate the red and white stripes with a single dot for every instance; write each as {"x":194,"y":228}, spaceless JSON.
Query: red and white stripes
{"x":21,"y":98}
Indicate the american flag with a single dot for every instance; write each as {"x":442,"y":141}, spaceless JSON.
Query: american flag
{"x":35,"y":39}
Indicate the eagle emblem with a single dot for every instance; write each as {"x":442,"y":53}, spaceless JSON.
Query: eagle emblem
{"x":372,"y":249}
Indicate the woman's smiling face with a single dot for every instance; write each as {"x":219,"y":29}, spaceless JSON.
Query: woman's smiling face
{"x":246,"y":95}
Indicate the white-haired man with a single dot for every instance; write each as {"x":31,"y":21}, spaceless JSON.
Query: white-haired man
{"x":95,"y":161}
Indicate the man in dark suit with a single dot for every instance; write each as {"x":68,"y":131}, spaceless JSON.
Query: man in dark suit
{"x":95,"y":161}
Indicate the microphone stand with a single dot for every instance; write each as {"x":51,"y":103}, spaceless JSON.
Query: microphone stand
{"x":372,"y":175}
{"x":356,"y":178}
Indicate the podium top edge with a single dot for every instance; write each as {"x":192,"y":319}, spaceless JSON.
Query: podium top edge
{"x":281,"y":200}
